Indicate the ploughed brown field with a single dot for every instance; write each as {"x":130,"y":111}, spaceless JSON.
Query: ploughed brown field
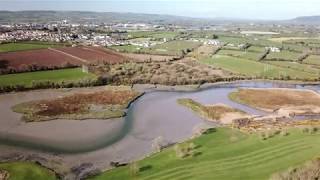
{"x":98,"y":105}
{"x":273,"y":99}
{"x":60,"y":57}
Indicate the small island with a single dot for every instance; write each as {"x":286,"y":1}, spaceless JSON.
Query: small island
{"x":218,"y":112}
{"x":105,"y":104}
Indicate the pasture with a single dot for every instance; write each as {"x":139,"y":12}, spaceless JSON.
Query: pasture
{"x":312,"y":59}
{"x":242,"y":54}
{"x":57,"y":76}
{"x":296,"y":66}
{"x":152,"y":34}
{"x":224,"y":154}
{"x":256,"y":69}
{"x":284,"y":55}
{"x":11,"y":47}
{"x":173,"y":48}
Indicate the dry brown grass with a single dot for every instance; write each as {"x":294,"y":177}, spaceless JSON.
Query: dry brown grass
{"x":273,"y":99}
{"x":90,"y":105}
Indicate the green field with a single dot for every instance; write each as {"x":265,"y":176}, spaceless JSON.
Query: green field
{"x":242,"y":54}
{"x":296,"y":66}
{"x":53,"y":76}
{"x":153,"y":34}
{"x":172,"y":47}
{"x":227,"y":52}
{"x":225,"y":155}
{"x":312,"y":59}
{"x":255,"y":69}
{"x":27,"y":171}
{"x":284,"y":55}
{"x":256,"y":49}
{"x":10,"y":47}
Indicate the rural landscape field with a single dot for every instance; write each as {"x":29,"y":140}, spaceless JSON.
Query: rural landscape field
{"x":159,"y":90}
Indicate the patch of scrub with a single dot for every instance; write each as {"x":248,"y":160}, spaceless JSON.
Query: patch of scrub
{"x":98,"y":105}
{"x":218,"y":112}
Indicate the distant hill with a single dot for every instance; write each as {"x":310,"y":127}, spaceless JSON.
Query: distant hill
{"x":307,"y":20}
{"x":94,"y":17}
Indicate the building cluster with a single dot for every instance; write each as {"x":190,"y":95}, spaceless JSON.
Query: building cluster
{"x":36,"y":35}
{"x":64,"y":31}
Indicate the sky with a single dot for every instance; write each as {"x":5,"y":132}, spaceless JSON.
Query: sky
{"x":240,"y":9}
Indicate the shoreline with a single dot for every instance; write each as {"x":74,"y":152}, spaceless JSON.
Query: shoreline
{"x":178,"y":88}
{"x":118,"y":152}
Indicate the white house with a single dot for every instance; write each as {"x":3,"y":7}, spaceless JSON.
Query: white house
{"x":273,"y":49}
{"x":213,"y":42}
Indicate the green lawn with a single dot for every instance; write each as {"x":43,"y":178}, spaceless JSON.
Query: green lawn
{"x":253,"y":68}
{"x":284,"y":55}
{"x":312,"y":59}
{"x":168,"y":35}
{"x":242,"y":54}
{"x":27,"y":171}
{"x":172,"y":47}
{"x":296,"y":66}
{"x":152,"y":34}
{"x":54,"y":76}
{"x":225,"y":155}
{"x":256,"y":49}
{"x":24,"y":46}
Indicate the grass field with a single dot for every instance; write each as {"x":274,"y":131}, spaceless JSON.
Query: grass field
{"x":53,"y":76}
{"x":153,"y":34}
{"x":284,"y":55}
{"x":312,"y":59}
{"x":281,"y":39}
{"x":253,"y":68}
{"x":241,"y":54}
{"x":173,"y":47}
{"x":226,"y":154}
{"x":24,"y":46}
{"x":296,"y":66}
{"x":256,"y":49}
{"x":26,"y":171}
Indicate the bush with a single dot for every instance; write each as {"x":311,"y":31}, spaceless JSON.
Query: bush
{"x":185,"y":150}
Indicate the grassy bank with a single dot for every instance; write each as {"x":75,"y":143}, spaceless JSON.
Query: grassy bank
{"x":225,"y":154}
{"x":55,"y":76}
{"x":25,"y":170}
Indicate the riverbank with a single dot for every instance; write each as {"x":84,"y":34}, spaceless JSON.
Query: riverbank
{"x":93,"y":146}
